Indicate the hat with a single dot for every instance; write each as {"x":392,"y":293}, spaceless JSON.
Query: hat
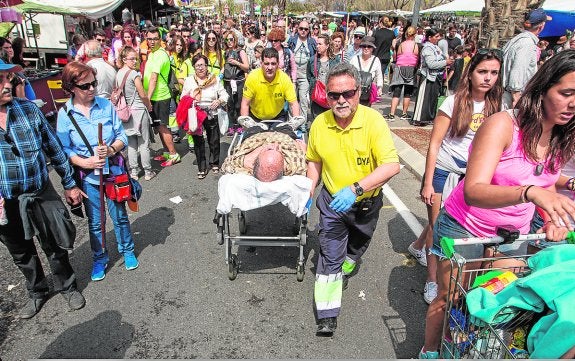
{"x":537,"y":16}
{"x":368,"y":40}
{"x":360,"y":30}
{"x":117,"y":28}
{"x":9,"y":67}
{"x":562,"y":40}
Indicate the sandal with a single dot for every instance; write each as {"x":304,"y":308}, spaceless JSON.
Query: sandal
{"x":171,"y":160}
{"x":215,"y":169}
{"x":201,"y":175}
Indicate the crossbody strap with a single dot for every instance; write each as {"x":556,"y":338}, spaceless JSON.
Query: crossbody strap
{"x":315,"y":66}
{"x":372,"y":61}
{"x":359,"y":62}
{"x":78,"y":129}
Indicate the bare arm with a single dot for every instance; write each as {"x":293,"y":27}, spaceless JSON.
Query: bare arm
{"x":440,"y":128}
{"x":314,"y":173}
{"x":245,"y":106}
{"x":152,"y":84}
{"x":294,"y":108}
{"x":142,"y":92}
{"x":380,"y":175}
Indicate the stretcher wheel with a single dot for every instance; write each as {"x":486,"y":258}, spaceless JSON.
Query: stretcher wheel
{"x":233,"y":267}
{"x":300,"y":272}
{"x":303,"y":236}
{"x":242,"y":222}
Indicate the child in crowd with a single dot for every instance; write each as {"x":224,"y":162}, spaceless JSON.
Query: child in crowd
{"x":456,"y":69}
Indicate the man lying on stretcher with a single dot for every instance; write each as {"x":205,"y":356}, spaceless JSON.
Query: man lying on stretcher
{"x":267,"y":155}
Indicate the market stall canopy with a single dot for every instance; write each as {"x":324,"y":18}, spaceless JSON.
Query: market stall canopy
{"x":9,"y":17}
{"x":93,"y":9}
{"x":458,"y":7}
{"x":563,"y":14}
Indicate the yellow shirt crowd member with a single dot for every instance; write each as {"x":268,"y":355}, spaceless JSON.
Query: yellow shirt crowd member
{"x":352,"y":153}
{"x":268,"y":98}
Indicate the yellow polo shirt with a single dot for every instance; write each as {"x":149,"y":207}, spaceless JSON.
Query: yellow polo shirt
{"x":268,"y":98}
{"x":348,"y":155}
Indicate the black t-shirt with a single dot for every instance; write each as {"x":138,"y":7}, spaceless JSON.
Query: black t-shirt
{"x":453,"y":43}
{"x":383,"y":38}
{"x":457,"y":72}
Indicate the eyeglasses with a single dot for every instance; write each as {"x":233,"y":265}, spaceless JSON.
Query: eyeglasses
{"x":303,"y":29}
{"x":86,"y":86}
{"x":199,"y":66}
{"x":347,"y":94}
{"x":152,"y":39}
{"x":130,"y":59}
{"x":100,"y":40}
{"x":494,"y":51}
{"x":12,"y":145}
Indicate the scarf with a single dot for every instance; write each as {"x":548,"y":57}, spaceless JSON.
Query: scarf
{"x":210,"y":80}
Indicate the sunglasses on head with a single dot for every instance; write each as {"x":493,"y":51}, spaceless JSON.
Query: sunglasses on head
{"x":347,"y":94}
{"x":86,"y":86}
{"x":12,"y":145}
{"x":494,"y":51}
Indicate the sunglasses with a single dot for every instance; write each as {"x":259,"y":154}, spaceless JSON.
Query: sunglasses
{"x":86,"y":86}
{"x":101,"y":40}
{"x":358,"y":36}
{"x":152,"y":39}
{"x":304,"y":29}
{"x":276,"y":41}
{"x":130,"y":59}
{"x":365,"y":46}
{"x":212,"y":39}
{"x":12,"y":145}
{"x":494,"y":51}
{"x":348,"y":94}
{"x":230,"y":39}
{"x":315,"y":28}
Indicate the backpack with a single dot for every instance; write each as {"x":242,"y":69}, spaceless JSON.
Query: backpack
{"x":366,"y":80}
{"x":172,"y":80}
{"x":118,"y":99}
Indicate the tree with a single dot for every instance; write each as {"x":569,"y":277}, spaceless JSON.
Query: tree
{"x":502,"y":19}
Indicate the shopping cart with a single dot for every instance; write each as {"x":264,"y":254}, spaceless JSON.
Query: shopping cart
{"x":468,"y":337}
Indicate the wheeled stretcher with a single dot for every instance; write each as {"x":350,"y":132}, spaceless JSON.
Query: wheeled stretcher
{"x":244,"y":193}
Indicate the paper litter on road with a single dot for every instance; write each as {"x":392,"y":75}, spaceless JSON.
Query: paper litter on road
{"x":176,"y":199}
{"x":361,"y":295}
{"x":10,"y":287}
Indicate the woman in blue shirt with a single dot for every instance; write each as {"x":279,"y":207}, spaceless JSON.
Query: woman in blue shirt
{"x":88,"y":110}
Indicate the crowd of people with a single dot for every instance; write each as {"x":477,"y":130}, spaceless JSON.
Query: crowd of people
{"x":499,"y":143}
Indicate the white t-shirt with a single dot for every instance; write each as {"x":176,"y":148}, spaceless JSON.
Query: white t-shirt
{"x":459,"y":147}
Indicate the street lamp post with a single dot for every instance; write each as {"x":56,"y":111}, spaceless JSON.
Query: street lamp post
{"x":415,"y":18}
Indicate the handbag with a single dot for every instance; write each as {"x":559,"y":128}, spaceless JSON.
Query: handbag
{"x":192,"y":118}
{"x":318,"y":94}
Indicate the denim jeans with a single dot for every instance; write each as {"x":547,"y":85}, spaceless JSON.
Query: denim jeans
{"x":446,"y":226}
{"x":119,"y":216}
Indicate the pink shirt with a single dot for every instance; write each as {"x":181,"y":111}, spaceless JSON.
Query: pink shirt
{"x":407,"y":56}
{"x":514,"y":169}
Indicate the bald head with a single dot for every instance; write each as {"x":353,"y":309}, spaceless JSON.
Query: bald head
{"x":269,"y":165}
{"x":93,"y":49}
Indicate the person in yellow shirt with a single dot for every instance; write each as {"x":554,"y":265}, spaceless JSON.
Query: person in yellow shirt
{"x":265,"y":92}
{"x":350,"y":148}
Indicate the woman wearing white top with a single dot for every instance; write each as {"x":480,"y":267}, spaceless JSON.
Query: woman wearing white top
{"x":368,"y":62}
{"x":209,"y":93}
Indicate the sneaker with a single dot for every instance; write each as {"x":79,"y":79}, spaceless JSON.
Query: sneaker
{"x":149,"y":175}
{"x":389,"y":117}
{"x":326,"y":326}
{"x":134,"y":174}
{"x":176,"y":138}
{"x":429,"y":291}
{"x":405,"y":116}
{"x":162,"y":157}
{"x":171,"y":160}
{"x":99,"y":271}
{"x":130,"y":261}
{"x":32,"y":307}
{"x":75,"y":300}
{"x":428,"y":354}
{"x":418,"y":254}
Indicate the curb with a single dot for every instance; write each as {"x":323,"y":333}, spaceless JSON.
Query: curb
{"x":409,"y":157}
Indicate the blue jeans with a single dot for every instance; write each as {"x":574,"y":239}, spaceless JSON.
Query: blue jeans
{"x":119,"y":216}
{"x":446,"y":226}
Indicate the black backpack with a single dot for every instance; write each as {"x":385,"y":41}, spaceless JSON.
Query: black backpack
{"x":366,"y":80}
{"x":233,"y":72}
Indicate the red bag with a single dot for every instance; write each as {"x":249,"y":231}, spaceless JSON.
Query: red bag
{"x":318,"y":94}
{"x":119,"y":190}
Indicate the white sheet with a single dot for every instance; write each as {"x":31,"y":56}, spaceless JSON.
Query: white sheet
{"x":245,"y":192}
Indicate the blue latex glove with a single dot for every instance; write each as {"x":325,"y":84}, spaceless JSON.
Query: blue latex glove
{"x":308,"y":205}
{"x":343,"y":200}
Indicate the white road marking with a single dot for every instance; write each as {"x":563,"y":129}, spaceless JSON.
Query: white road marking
{"x":403,"y":211}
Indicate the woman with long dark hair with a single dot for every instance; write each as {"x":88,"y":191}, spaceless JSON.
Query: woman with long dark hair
{"x":459,"y":117}
{"x":235,"y":69}
{"x":213,"y":51}
{"x":433,"y":63}
{"x":514,"y":163}
{"x":318,"y":67}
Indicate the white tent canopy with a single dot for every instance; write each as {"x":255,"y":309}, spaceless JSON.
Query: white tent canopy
{"x":459,"y":5}
{"x":559,"y":5}
{"x":92,"y":9}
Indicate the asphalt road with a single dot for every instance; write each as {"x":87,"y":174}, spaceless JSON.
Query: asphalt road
{"x":180,"y":303}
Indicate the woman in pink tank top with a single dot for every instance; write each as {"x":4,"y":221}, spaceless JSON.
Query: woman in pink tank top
{"x":513,"y":164}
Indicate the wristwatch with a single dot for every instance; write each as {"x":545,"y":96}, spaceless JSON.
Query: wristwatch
{"x":358,"y":189}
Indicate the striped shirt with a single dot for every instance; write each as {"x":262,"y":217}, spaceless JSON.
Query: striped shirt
{"x":24,"y":145}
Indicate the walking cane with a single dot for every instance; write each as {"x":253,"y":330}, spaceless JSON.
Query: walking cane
{"x":102,"y":195}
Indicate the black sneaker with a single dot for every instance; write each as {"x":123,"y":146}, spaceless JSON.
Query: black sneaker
{"x":75,"y":300}
{"x":176,"y":138}
{"x":390,"y":117}
{"x":32,"y":307}
{"x":405,"y":116}
{"x":326,"y":326}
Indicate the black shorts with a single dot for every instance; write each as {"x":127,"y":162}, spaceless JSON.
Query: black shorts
{"x":161,"y":110}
